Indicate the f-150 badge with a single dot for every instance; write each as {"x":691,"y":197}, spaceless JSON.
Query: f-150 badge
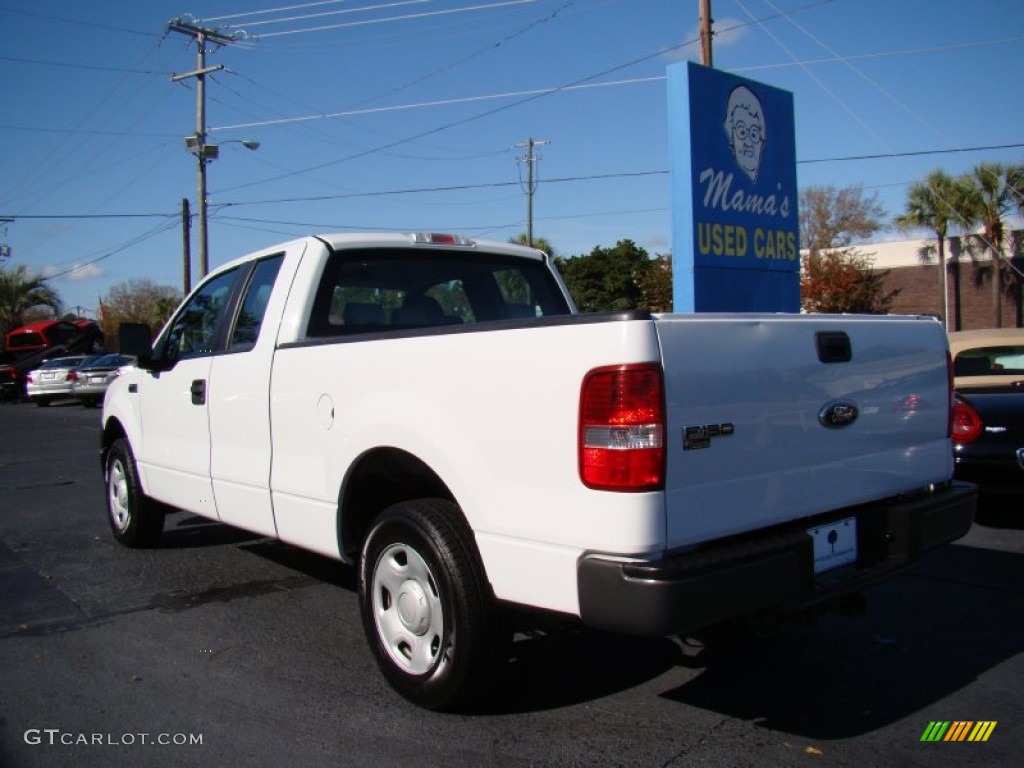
{"x":699,"y":435}
{"x":838,"y":414}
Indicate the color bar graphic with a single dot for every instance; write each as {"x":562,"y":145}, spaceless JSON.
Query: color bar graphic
{"x":959,"y":730}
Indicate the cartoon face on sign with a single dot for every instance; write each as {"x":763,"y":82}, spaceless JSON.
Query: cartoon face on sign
{"x":744,"y":125}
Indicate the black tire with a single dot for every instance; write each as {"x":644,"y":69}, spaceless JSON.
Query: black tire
{"x":89,"y":402}
{"x":419,"y":556}
{"x":42,"y":402}
{"x":135,"y":519}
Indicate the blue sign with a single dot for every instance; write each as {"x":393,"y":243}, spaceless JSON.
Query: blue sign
{"x":735,"y":231}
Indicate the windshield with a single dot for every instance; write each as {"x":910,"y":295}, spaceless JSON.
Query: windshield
{"x":1006,"y":360}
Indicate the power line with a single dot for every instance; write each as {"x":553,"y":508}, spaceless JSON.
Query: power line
{"x":530,"y":94}
{"x":274,"y":10}
{"x":912,"y":154}
{"x":388,"y":19}
{"x":334,"y":13}
{"x":496,"y":110}
{"x":498,"y":184}
{"x":85,"y":132}
{"x":95,"y":67}
{"x":64,"y":20}
{"x":157,"y":230}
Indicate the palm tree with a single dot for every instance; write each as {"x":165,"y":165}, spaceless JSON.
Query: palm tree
{"x":931,"y":204}
{"x":20,"y":290}
{"x":1015,"y":182}
{"x":988,"y":200}
{"x":540,"y":243}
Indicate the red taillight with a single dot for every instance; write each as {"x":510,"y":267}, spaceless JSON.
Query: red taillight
{"x":967,"y":424}
{"x":72,"y":376}
{"x":28,"y":377}
{"x":949,"y":392}
{"x":622,"y":427}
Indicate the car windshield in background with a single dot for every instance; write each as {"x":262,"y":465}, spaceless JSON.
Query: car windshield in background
{"x":62,"y":362}
{"x":108,"y":361}
{"x":990,"y":361}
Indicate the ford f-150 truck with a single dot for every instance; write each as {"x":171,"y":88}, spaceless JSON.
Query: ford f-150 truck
{"x":432,"y":410}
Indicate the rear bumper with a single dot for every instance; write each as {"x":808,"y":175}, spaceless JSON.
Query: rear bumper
{"x":768,"y":571}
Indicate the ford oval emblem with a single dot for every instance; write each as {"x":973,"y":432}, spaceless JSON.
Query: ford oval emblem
{"x":837,"y":415}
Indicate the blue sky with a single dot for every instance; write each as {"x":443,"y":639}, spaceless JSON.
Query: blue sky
{"x":404,"y":115}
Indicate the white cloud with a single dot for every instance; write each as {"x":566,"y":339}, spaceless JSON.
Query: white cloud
{"x":76,"y":273}
{"x":656,"y":243}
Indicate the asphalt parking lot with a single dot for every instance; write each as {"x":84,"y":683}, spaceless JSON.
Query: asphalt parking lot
{"x":221,"y":648}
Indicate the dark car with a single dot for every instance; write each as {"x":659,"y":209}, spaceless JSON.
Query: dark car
{"x":988,"y":438}
{"x":988,"y":428}
{"x":90,"y":380}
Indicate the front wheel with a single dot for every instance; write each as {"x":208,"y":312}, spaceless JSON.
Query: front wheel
{"x":425,"y":603}
{"x":135,"y":519}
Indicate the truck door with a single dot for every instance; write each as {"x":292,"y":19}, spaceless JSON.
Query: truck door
{"x":174,"y":454}
{"x":240,"y":401}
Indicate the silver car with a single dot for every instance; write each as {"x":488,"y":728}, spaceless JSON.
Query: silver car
{"x":91,"y":379}
{"x":52,"y":380}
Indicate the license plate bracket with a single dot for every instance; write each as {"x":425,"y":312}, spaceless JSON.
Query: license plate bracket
{"x":835,"y":544}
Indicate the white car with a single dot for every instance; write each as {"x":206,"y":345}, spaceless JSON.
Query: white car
{"x":90,"y":380}
{"x":53,"y":379}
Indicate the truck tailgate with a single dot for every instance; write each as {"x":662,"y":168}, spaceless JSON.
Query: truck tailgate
{"x":773,"y":418}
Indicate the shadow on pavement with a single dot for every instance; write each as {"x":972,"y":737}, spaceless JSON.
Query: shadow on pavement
{"x":927,"y":635}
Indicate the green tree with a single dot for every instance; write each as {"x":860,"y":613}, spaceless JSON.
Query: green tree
{"x":1015,"y":182}
{"x":607,"y":279}
{"x":540,"y":243}
{"x":989,"y":198}
{"x":21,"y":291}
{"x":932,"y":205}
{"x":836,"y":277}
{"x":843,"y":280}
{"x":137,"y":301}
{"x":656,"y":284}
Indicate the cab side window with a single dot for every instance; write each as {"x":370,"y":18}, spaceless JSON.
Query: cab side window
{"x":194,"y":332}
{"x":254,"y":304}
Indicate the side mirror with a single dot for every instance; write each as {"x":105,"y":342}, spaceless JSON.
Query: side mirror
{"x":136,"y":339}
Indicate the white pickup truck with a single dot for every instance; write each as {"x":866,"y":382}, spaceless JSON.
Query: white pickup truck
{"x":432,"y":409}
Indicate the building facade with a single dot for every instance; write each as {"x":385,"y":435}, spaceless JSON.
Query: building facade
{"x":911,"y":268}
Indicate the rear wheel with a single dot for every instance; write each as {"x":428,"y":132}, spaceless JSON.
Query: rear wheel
{"x":135,"y":519}
{"x":42,"y":402}
{"x":425,"y":603}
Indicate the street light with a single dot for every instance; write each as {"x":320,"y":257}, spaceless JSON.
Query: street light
{"x":205,"y":152}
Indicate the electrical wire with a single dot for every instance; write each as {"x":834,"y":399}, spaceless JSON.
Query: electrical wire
{"x":274,"y":10}
{"x":65,"y":20}
{"x":157,"y":230}
{"x":303,"y":17}
{"x":389,"y":19}
{"x":499,"y":184}
{"x":497,"y":110}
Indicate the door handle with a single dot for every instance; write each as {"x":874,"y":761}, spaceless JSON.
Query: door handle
{"x":199,"y":392}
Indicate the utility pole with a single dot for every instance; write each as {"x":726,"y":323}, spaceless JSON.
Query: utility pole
{"x":529,"y":159}
{"x":5,"y":249}
{"x":705,"y":33}
{"x":197,"y":144}
{"x":186,"y":247}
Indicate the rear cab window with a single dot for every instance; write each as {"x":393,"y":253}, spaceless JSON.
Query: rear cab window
{"x":396,"y":289}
